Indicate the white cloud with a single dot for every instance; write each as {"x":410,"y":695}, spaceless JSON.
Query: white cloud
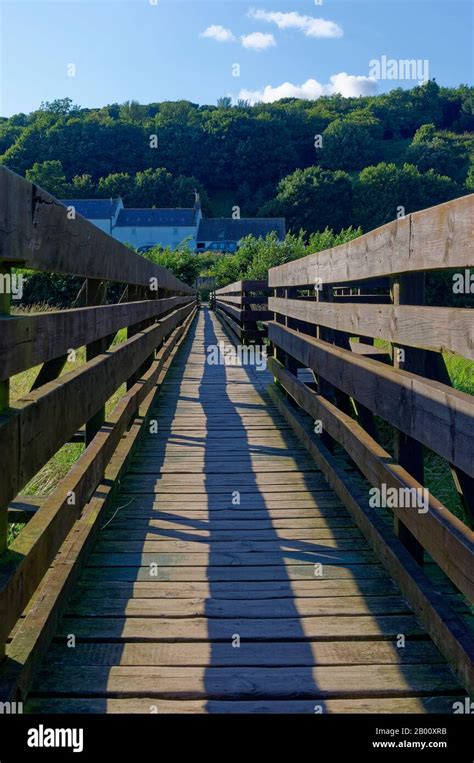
{"x":218,"y":33}
{"x":258,"y":41}
{"x":347,"y":85}
{"x":351,"y":85}
{"x":309,"y":25}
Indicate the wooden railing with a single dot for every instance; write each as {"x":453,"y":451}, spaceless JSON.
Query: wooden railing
{"x":155,"y":308}
{"x":243,"y":306}
{"x":355,"y":386}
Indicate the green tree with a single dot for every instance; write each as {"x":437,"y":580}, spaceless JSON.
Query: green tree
{"x":116,"y":184}
{"x":81,"y":187}
{"x":314,"y":199}
{"x":152,"y":188}
{"x":386,"y":190}
{"x":351,"y":143}
{"x":49,"y":176}
{"x":433,"y":150}
{"x":181,"y":262}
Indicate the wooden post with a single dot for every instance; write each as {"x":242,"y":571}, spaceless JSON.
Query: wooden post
{"x":95,"y":293}
{"x":409,"y":290}
{"x":325,"y":388}
{"x":5,"y":307}
{"x":291,"y":363}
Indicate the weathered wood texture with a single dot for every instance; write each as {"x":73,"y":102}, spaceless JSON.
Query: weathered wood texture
{"x":242,"y":306}
{"x":26,"y":341}
{"x":446,"y":538}
{"x":182,"y":602}
{"x":431,"y":328}
{"x":438,"y":416}
{"x":37,"y":232}
{"x":433,"y":239}
{"x":450,"y":632}
{"x":31,"y":637}
{"x":28,"y":437}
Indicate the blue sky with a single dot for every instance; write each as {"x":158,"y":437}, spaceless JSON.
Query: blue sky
{"x":154,"y":50}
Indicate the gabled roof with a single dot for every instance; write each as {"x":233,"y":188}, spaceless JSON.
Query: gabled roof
{"x":152,"y":218}
{"x":225,"y":229}
{"x":94,"y":209}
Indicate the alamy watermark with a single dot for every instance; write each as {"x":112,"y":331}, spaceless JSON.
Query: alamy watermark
{"x":400,"y":498}
{"x":243,"y":355}
{"x":12,"y":283}
{"x":463,"y":283}
{"x":400,"y":69}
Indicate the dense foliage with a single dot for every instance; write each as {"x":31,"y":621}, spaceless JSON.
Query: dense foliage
{"x":332,"y":162}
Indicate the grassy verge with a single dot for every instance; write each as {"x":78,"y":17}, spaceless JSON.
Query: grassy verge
{"x":59,"y":465}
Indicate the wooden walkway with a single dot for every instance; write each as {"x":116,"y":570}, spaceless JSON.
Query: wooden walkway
{"x":228,"y":577}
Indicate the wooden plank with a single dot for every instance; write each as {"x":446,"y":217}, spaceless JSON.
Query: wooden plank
{"x":239,"y":286}
{"x":201,"y":629}
{"x":93,"y":607}
{"x":221,"y":558}
{"x":413,"y":705}
{"x":36,"y":232}
{"x":244,"y":316}
{"x":5,"y":300}
{"x":448,"y":631}
{"x":26,"y":340}
{"x":280,"y":654}
{"x":230,"y":323}
{"x":417,"y":242}
{"x":139,"y":534}
{"x":233,"y":590}
{"x":409,"y":289}
{"x":433,"y":328}
{"x":32,"y":638}
{"x":33,"y":550}
{"x":278,"y":572}
{"x":214,"y":546}
{"x":446,"y":538}
{"x":432,"y":413}
{"x":73,"y":399}
{"x":242,"y":300}
{"x":294,"y":682}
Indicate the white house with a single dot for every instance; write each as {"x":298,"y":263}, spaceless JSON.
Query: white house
{"x":145,"y":228}
{"x":101,"y":212}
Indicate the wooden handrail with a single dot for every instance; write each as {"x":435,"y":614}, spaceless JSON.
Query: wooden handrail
{"x":36,"y":232}
{"x":438,"y":238}
{"x":242,"y":308}
{"x":316,"y":317}
{"x":155,"y":309}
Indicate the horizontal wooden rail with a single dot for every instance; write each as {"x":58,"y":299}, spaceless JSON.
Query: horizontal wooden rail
{"x":431,"y":328}
{"x":444,"y":536}
{"x":238,"y":287}
{"x":35,"y":548}
{"x":435,"y":239}
{"x":329,"y":309}
{"x":448,"y":629}
{"x":244,"y":311}
{"x":25,"y":340}
{"x":27,"y":437}
{"x":36,"y":232}
{"x":440,"y":417}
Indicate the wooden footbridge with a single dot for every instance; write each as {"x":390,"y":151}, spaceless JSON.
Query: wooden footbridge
{"x":219,"y":546}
